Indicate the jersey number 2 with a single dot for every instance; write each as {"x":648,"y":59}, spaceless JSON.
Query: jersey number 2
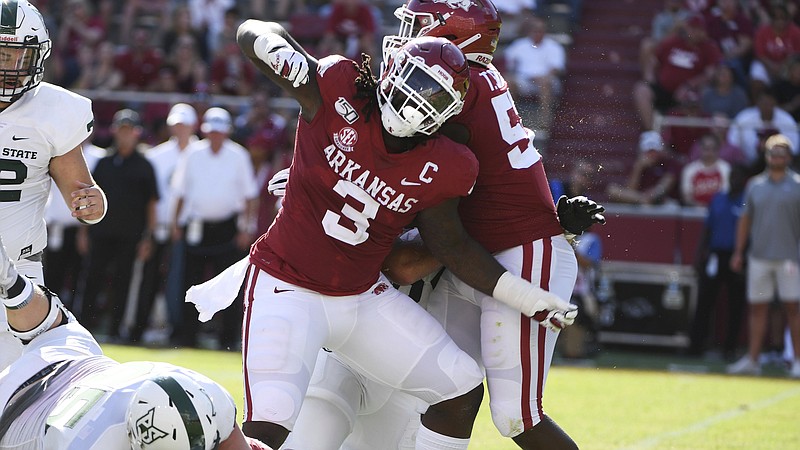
{"x":19,"y":171}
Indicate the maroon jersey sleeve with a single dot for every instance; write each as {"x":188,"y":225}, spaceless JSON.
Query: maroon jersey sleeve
{"x":511,"y":203}
{"x":348,"y":198}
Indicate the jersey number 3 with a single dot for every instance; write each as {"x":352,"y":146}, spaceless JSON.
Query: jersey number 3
{"x":360,"y":218}
{"x":18,"y":171}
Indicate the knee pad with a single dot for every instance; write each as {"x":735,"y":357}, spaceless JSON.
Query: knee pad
{"x":508,"y":419}
{"x":52,"y":315}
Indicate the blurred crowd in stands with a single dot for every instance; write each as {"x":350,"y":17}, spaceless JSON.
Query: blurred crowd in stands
{"x":718,"y":79}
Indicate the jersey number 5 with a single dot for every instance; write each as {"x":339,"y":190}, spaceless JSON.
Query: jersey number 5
{"x":19,"y":171}
{"x":523,"y":154}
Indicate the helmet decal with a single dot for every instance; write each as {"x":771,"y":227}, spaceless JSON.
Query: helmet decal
{"x":463,"y":4}
{"x":146,"y":428}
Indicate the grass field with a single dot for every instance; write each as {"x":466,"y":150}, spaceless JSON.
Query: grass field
{"x":607,"y":407}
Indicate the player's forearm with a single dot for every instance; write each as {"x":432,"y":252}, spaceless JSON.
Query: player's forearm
{"x":409,"y":261}
{"x":470,"y":262}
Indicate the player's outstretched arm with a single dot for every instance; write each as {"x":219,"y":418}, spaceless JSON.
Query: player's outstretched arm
{"x":74,"y":180}
{"x":447,"y":239}
{"x":278,"y":56}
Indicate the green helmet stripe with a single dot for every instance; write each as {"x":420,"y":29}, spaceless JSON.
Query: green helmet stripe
{"x":191,"y":420}
{"x":8,"y":17}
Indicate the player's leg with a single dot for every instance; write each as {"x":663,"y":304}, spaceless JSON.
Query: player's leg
{"x":369,"y":414}
{"x":789,"y":292}
{"x":398,"y":343}
{"x":329,"y":408}
{"x":282,"y":336}
{"x":10,"y":345}
{"x":393,"y":426}
{"x":517,"y":351}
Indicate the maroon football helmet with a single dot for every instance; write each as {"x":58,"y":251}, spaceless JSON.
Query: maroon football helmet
{"x":473,"y":25}
{"x":424,"y":84}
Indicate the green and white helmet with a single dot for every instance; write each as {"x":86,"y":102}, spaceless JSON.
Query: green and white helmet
{"x":24,"y":45}
{"x":172,"y":412}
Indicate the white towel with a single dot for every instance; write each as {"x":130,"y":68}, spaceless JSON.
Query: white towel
{"x":219,"y":292}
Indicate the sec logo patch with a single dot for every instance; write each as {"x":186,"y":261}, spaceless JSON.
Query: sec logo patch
{"x":345,"y":139}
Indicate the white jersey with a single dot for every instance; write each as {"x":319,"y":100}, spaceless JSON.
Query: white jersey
{"x":46,"y":122}
{"x":85,"y":406}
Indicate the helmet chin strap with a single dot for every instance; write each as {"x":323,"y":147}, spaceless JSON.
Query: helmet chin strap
{"x":413,"y":117}
{"x":474,"y":38}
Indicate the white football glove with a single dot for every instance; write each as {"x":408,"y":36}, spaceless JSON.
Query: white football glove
{"x":542,"y":306}
{"x":287,"y":62}
{"x":277,"y":184}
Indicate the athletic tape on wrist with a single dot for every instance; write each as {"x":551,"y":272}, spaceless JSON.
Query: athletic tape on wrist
{"x":105,"y":209}
{"x":266,"y":43}
{"x":515,"y":292}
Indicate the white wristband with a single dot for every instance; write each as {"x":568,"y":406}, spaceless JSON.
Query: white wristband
{"x":105,"y":209}
{"x":266,"y":42}
{"x":516,"y":293}
{"x":23,"y":298}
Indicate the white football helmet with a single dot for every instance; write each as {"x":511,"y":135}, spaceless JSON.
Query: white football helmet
{"x":170,"y":412}
{"x":24,"y":45}
{"x":424,"y":84}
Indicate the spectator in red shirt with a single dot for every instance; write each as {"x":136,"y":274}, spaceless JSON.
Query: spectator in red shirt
{"x":140,"y":62}
{"x":80,"y":29}
{"x":733,"y":32}
{"x":703,"y":178}
{"x":681,"y":62}
{"x":231,"y":74}
{"x":775,"y":44}
{"x":267,"y":159}
{"x":350,"y":30}
{"x":654,"y":177}
{"x":261,"y":120}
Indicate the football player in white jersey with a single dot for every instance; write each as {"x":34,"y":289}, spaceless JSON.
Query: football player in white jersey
{"x":42,"y":127}
{"x":63,"y":393}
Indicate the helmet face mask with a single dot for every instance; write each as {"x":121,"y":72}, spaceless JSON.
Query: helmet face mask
{"x":424,"y":85}
{"x":473,"y":25}
{"x":24,"y":46}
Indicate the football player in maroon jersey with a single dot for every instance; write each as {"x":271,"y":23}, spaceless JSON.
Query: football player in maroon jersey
{"x":367,"y":164}
{"x":511,"y":213}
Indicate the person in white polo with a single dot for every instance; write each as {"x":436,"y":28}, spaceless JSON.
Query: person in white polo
{"x":217,"y":201}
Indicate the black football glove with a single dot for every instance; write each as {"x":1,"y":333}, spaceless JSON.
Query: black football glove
{"x":577,"y":214}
